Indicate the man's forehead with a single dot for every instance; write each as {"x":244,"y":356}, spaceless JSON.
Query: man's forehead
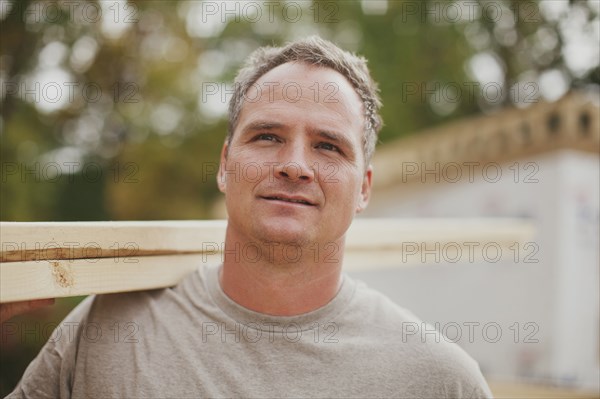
{"x":321,"y":83}
{"x":299,"y":69}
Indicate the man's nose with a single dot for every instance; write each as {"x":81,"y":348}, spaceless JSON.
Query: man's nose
{"x":295,"y":165}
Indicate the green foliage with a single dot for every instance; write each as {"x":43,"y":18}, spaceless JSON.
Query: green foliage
{"x":152,"y":115}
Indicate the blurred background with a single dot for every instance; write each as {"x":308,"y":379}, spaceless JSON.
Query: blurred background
{"x":116,"y":110}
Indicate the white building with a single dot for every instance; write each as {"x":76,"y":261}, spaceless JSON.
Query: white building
{"x":531,"y":313}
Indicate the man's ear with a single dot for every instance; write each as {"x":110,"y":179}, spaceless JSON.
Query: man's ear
{"x":222,"y":176}
{"x":365,"y":190}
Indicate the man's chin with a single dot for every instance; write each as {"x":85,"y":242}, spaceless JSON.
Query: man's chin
{"x":292,"y":234}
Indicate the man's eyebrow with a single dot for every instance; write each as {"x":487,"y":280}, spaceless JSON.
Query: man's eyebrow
{"x":336,"y":138}
{"x":262,"y":125}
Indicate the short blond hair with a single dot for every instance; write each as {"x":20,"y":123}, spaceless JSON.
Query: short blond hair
{"x":319,"y":52}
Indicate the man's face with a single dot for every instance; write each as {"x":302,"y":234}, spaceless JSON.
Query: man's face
{"x":294,"y":172}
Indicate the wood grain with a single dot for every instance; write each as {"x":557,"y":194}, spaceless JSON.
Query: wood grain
{"x":57,"y":259}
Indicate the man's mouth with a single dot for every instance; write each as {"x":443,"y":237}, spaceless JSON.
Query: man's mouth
{"x":288,"y":199}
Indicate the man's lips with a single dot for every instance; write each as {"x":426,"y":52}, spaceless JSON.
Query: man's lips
{"x":293,"y":199}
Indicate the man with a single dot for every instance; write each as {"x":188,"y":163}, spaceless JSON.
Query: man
{"x":278,"y":318}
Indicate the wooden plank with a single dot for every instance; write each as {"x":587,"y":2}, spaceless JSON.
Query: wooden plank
{"x":384,"y":233}
{"x":56,"y":259}
{"x":522,"y":390}
{"x":387,"y":243}
{"x":61,"y":278}
{"x":22,"y":241}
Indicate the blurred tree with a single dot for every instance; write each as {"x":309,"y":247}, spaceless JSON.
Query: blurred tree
{"x":132,"y":96}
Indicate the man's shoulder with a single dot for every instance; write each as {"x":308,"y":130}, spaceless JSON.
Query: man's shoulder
{"x":133,"y":304}
{"x":407,"y":338}
{"x":378,"y":311}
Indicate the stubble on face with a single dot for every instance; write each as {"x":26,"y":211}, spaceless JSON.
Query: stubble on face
{"x":297,"y":133}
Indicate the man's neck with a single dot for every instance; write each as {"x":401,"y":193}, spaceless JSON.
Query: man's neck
{"x":292,"y":280}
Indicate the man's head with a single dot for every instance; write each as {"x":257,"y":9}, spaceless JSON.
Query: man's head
{"x":293,"y":168}
{"x":318,"y":52}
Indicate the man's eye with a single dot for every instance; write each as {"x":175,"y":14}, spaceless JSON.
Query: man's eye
{"x":266,"y":137}
{"x":328,"y":147}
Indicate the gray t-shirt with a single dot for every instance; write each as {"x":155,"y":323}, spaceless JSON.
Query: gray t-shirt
{"x":192,"y":340}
